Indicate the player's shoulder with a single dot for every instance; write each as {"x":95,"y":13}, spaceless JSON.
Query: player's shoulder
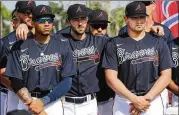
{"x":60,"y":41}
{"x":117,"y":40}
{"x":9,"y":37}
{"x":153,"y":38}
{"x":64,"y":30}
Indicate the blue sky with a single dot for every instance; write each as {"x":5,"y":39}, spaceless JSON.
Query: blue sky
{"x":11,"y":4}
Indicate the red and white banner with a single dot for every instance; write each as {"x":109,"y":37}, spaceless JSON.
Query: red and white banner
{"x":167,"y":13}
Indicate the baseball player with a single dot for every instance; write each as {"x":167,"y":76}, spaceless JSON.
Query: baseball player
{"x":173,"y":86}
{"x":23,"y":13}
{"x":3,"y":90}
{"x":98,"y":22}
{"x":137,"y":67}
{"x":35,"y":65}
{"x":81,"y":100}
{"x":168,"y":37}
{"x":15,"y":20}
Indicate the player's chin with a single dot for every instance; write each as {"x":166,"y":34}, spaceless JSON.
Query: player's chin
{"x":46,"y":33}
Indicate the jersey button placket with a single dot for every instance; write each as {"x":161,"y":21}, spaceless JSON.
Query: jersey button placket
{"x":138,"y":68}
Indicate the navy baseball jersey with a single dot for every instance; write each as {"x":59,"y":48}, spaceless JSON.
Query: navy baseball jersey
{"x":40,"y":65}
{"x":86,"y":54}
{"x":138,"y":63}
{"x":175,"y":56}
{"x":1,"y":49}
{"x":168,"y":37}
{"x":65,"y":30}
{"x":8,"y":42}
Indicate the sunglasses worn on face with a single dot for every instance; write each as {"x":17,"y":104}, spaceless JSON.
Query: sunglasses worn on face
{"x":97,"y":26}
{"x":43,"y":20}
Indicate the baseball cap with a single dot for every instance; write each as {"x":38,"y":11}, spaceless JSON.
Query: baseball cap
{"x":77,"y":11}
{"x":41,"y":11}
{"x":98,"y":16}
{"x":25,"y":5}
{"x":135,"y":9}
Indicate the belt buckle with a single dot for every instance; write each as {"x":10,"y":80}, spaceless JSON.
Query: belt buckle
{"x":36,"y":94}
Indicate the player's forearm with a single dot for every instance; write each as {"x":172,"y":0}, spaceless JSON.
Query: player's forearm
{"x":173,"y":87}
{"x":24,"y":95}
{"x":5,"y":81}
{"x":113,"y":81}
{"x":160,"y":84}
{"x":58,"y":91}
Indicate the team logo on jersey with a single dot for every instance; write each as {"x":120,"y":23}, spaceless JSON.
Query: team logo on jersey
{"x":86,"y":54}
{"x":175,"y":57}
{"x":41,"y":62}
{"x":136,"y":57}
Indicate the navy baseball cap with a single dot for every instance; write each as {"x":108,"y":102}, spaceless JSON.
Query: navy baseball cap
{"x":25,"y":5}
{"x":98,"y":16}
{"x":77,"y":11}
{"x":41,"y":11}
{"x":135,"y":9}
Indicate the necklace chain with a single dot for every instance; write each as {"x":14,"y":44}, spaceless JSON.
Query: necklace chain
{"x":41,"y":51}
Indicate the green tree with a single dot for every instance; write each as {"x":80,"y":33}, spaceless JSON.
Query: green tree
{"x":5,"y":16}
{"x":117,"y":20}
{"x":60,"y":15}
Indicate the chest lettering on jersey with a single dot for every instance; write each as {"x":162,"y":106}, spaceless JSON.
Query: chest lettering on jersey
{"x":136,"y":57}
{"x":175,"y":57}
{"x":86,"y":54}
{"x":41,"y":62}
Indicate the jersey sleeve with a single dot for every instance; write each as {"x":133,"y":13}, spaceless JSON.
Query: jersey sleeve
{"x":165,"y":60}
{"x":109,"y":59}
{"x":68,"y":65}
{"x":13,"y":67}
{"x":1,"y":50}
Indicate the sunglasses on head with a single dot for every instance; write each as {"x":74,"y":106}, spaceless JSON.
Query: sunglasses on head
{"x":97,"y":26}
{"x":43,"y":20}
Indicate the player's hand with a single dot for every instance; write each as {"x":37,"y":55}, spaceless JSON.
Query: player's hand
{"x":141,"y":103}
{"x":22,"y":31}
{"x":36,"y":106}
{"x":158,"y":30}
{"x":133,"y":110}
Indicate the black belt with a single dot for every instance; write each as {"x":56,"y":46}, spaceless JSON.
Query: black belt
{"x":140,"y":93}
{"x":79,"y":100}
{"x":39,"y":94}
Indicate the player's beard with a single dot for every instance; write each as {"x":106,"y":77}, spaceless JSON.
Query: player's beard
{"x":76,"y":31}
{"x":45,"y":34}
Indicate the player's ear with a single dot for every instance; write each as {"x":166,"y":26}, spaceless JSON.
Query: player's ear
{"x":68,"y":22}
{"x":125,"y":19}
